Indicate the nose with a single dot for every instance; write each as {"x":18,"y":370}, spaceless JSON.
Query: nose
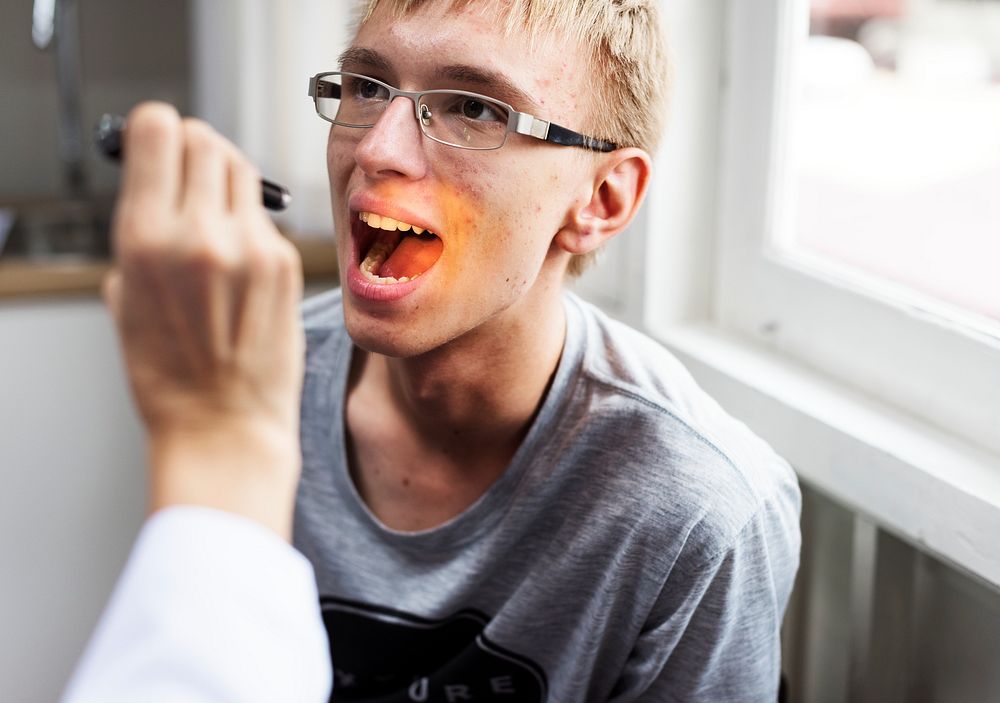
{"x":395,"y":145}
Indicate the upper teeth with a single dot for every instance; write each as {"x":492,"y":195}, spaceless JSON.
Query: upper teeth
{"x":388,"y":223}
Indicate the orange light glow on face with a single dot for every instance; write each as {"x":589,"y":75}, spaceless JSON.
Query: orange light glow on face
{"x":451,"y":212}
{"x":454,"y":209}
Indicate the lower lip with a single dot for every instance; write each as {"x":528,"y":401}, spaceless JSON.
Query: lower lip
{"x":364,"y":289}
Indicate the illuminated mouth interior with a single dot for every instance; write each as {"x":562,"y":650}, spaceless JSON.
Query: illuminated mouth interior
{"x":397,"y":252}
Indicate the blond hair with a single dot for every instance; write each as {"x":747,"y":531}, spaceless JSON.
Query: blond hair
{"x":624,"y":40}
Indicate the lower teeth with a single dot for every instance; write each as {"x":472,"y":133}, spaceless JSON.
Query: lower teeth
{"x":376,"y":257}
{"x":386,"y":279}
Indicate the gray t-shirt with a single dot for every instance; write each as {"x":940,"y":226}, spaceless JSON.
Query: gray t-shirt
{"x":641,"y":546}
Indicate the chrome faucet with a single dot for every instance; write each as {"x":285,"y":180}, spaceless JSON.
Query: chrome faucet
{"x":55,"y":24}
{"x":43,"y":20}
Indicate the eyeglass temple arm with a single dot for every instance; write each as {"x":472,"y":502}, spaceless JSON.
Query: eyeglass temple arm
{"x":551,"y":132}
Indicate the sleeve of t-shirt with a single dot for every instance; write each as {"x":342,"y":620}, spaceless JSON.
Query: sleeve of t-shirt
{"x":715,"y":634}
{"x":210,"y":607}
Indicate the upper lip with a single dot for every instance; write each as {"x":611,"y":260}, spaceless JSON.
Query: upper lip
{"x":366,"y":202}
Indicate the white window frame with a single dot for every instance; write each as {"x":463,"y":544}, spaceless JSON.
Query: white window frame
{"x":887,"y":402}
{"x":900,"y":347}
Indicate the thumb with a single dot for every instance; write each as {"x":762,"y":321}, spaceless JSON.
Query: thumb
{"x":111,"y":291}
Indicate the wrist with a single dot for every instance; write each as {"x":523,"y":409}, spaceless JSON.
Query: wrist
{"x":246,"y":468}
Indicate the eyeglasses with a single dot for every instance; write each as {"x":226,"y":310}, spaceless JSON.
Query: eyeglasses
{"x":453,"y":117}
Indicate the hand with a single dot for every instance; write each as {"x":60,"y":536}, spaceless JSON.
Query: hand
{"x":205,"y":296}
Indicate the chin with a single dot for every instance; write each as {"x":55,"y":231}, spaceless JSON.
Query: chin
{"x":383,"y":337}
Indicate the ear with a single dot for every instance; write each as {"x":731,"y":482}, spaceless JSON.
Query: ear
{"x":609,"y":202}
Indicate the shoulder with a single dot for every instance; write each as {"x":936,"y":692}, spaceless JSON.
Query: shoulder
{"x":323,"y":311}
{"x":694,"y":469}
{"x":323,"y":323}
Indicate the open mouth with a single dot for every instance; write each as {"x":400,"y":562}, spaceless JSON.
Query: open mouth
{"x":395,"y":252}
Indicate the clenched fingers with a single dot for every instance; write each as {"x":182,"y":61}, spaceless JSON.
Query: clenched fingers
{"x":208,"y":290}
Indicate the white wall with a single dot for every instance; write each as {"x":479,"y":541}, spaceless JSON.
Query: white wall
{"x":72,"y":486}
{"x":252,"y":60}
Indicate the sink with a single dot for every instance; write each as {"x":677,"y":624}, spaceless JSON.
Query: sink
{"x":56,"y":229}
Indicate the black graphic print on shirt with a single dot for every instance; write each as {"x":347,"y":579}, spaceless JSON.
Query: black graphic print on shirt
{"x":382,"y":655}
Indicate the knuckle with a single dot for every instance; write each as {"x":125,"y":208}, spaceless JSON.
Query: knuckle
{"x":206,"y":255}
{"x":125,"y":221}
{"x":203,"y":244}
{"x":260,"y":263}
{"x":201,"y":225}
{"x":200,"y":136}
{"x":140,"y":257}
{"x":135,"y":226}
{"x":111,"y":286}
{"x":153,"y":121}
{"x":287,"y":255}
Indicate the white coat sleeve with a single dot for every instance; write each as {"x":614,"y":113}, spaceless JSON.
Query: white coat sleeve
{"x":210,"y":607}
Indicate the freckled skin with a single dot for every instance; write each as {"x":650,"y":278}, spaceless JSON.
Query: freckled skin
{"x":496,"y":211}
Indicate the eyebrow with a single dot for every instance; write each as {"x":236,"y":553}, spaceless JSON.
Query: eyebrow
{"x":493,"y":83}
{"x":366,"y":57}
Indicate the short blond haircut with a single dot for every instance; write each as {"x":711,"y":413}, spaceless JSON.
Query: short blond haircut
{"x":628,"y":57}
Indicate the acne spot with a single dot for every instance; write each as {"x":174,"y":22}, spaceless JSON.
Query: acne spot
{"x":406,"y":482}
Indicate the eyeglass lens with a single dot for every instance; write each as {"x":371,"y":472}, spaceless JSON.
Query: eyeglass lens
{"x":458,"y":119}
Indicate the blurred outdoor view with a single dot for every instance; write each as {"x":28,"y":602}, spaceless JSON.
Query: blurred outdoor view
{"x":896,"y":157}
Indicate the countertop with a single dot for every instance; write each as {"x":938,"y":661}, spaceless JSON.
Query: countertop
{"x":23,"y":277}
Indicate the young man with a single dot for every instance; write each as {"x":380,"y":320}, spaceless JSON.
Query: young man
{"x":506,"y":495}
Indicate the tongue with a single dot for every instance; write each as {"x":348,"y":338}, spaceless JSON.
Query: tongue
{"x":413,"y":256}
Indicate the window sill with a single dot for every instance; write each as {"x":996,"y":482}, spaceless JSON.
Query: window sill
{"x":930,"y":488}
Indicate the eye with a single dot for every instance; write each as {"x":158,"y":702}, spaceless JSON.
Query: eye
{"x":370,"y":90}
{"x":473,"y":109}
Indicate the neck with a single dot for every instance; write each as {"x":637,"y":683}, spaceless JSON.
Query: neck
{"x":482,"y":390}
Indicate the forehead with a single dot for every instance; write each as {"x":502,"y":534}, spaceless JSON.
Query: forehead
{"x":435,"y":41}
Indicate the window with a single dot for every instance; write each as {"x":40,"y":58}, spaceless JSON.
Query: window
{"x":896,"y":151}
{"x":786,"y":276}
{"x":883,"y":396}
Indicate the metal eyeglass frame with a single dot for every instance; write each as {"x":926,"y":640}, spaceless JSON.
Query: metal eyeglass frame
{"x":517,"y":122}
